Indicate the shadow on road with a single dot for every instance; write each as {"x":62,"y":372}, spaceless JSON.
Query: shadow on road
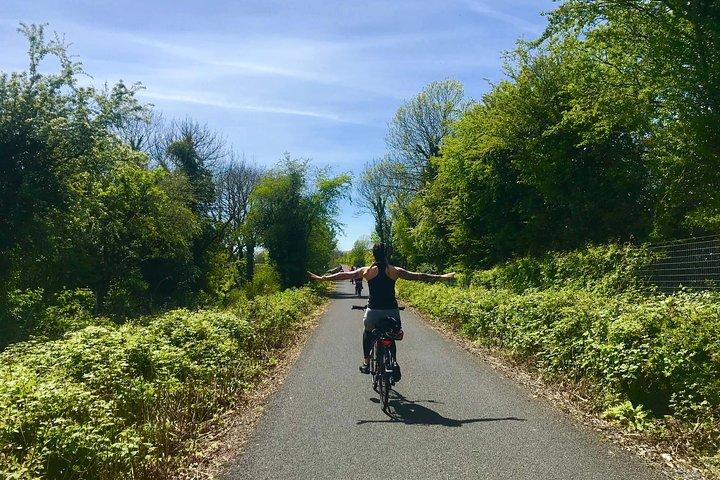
{"x":338,"y":294}
{"x":411,"y":412}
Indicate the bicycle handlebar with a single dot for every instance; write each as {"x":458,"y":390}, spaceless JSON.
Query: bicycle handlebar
{"x":364,"y":307}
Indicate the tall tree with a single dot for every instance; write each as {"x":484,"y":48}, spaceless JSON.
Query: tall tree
{"x":195,"y":151}
{"x":52,"y":131}
{"x":359,"y":252}
{"x":235,"y":183}
{"x":78,"y":208}
{"x":415,"y":136}
{"x":294,"y":217}
{"x":418,"y":129}
{"x":376,"y":194}
{"x":658,"y":62}
{"x":131,"y":236}
{"x":519,"y":177}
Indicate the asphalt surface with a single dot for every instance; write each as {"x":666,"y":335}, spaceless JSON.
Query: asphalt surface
{"x":451,"y":416}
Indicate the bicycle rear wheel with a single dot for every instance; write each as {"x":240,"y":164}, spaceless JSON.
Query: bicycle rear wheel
{"x":385,"y":372}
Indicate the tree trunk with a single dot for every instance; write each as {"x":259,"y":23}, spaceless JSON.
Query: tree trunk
{"x":250,"y":259}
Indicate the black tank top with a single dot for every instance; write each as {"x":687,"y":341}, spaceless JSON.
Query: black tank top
{"x":382,"y":289}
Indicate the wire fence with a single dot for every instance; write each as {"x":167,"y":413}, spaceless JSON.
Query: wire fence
{"x":691,"y":263}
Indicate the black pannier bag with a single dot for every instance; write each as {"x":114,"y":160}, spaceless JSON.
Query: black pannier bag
{"x":389,"y":324}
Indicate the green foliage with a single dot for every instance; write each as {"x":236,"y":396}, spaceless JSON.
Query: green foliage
{"x":81,"y":210}
{"x":225,"y":274}
{"x":418,"y":129}
{"x":376,"y":191}
{"x":265,"y":282}
{"x":52,"y":131}
{"x":650,"y":63}
{"x":633,"y":418}
{"x":517,"y":178}
{"x":71,"y":310}
{"x":604,"y":130}
{"x":359,"y":253}
{"x":609,"y":268}
{"x":651,"y":361}
{"x":19,"y":314}
{"x":125,"y":222}
{"x":114,"y":402}
{"x":78,"y":209}
{"x":293,"y":216}
{"x":184,"y":153}
{"x":30,"y":313}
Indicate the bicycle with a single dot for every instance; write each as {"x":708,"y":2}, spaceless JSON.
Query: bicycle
{"x":382,"y":362}
{"x":358,"y":287}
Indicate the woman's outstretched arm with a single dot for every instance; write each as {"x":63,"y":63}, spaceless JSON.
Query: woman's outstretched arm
{"x":423,"y":277}
{"x":338,"y":276}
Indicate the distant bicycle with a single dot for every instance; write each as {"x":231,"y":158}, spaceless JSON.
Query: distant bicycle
{"x":382,"y":361}
{"x":358,"y":287}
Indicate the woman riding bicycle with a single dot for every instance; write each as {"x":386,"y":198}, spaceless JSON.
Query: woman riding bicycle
{"x":381,"y":278}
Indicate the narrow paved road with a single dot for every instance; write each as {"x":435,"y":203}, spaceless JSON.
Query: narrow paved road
{"x":451,"y":417}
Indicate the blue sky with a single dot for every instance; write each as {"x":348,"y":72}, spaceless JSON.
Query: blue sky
{"x":317,"y":79}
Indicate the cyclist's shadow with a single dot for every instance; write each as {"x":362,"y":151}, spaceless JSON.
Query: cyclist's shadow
{"x":412,"y":412}
{"x":340,"y":295}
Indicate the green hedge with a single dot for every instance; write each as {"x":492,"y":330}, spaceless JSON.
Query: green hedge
{"x":609,"y":268}
{"x":650,"y":361}
{"x":114,"y":402}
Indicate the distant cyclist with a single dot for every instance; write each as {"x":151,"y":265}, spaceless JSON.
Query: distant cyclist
{"x":381,"y":278}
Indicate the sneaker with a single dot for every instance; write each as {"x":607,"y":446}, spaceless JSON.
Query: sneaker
{"x":396,"y":376}
{"x":365,"y":369}
{"x":399,"y":335}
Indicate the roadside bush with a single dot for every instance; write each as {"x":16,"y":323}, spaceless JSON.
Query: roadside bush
{"x":265,"y":281}
{"x":660,"y":353}
{"x":115,"y":402}
{"x":28,"y":313}
{"x":606,"y":268}
{"x":72,"y":310}
{"x":19,"y":313}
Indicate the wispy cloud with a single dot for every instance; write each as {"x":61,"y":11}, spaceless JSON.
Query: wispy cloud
{"x":260,"y":68}
{"x":345,"y":64}
{"x":277,"y":54}
{"x":246,"y":107}
{"x":515,"y":21}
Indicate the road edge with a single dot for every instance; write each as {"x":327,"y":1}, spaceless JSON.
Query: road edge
{"x":227,"y":436}
{"x":562,"y":397}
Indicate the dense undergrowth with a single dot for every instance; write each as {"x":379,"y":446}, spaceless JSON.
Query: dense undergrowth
{"x":647,"y":360}
{"x":112,"y":401}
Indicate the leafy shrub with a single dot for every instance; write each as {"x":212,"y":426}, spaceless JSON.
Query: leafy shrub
{"x":19,"y":314}
{"x":72,"y":310}
{"x":29,"y":314}
{"x":634,"y":418}
{"x":266,"y":281}
{"x":105,"y":400}
{"x":628,"y":349}
{"x":225,"y":274}
{"x":607,"y":268}
{"x":125,"y":297}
